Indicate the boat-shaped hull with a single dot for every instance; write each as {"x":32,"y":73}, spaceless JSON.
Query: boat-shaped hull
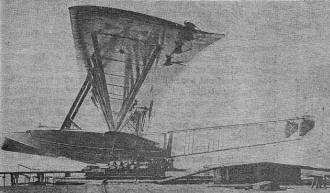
{"x":88,"y":147}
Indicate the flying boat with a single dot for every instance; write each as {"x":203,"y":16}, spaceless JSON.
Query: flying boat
{"x":129,"y":59}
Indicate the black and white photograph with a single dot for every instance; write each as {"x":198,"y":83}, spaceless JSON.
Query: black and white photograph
{"x":103,"y":96}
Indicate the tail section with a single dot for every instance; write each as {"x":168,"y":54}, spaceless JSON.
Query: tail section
{"x":290,"y":128}
{"x":306,"y":125}
{"x":303,"y":126}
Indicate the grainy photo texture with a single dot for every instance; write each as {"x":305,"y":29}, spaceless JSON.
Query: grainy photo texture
{"x":165,"y":96}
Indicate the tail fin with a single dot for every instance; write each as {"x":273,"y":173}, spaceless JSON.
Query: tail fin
{"x":303,"y":126}
{"x":306,"y":125}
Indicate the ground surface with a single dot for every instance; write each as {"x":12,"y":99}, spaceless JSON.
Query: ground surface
{"x":152,"y":188}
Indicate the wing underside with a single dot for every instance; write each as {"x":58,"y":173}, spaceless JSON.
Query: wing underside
{"x":130,"y":56}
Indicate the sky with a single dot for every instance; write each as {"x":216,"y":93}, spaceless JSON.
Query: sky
{"x":272,"y":64}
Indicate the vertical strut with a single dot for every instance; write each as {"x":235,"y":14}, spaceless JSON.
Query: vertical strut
{"x":127,"y":103}
{"x":169,"y":144}
{"x":103,"y":89}
{"x":77,"y":103}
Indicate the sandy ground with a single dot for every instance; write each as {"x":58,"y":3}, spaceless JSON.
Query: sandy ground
{"x":152,"y":188}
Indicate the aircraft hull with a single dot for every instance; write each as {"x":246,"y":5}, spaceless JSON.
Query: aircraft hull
{"x":88,"y":147}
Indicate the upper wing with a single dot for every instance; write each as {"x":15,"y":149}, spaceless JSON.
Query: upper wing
{"x":119,"y":48}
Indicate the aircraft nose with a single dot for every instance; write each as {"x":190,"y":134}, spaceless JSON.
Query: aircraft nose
{"x":6,"y":145}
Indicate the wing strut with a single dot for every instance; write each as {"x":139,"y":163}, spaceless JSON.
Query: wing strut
{"x":76,"y":104}
{"x":127,"y":103}
{"x":103,"y":90}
